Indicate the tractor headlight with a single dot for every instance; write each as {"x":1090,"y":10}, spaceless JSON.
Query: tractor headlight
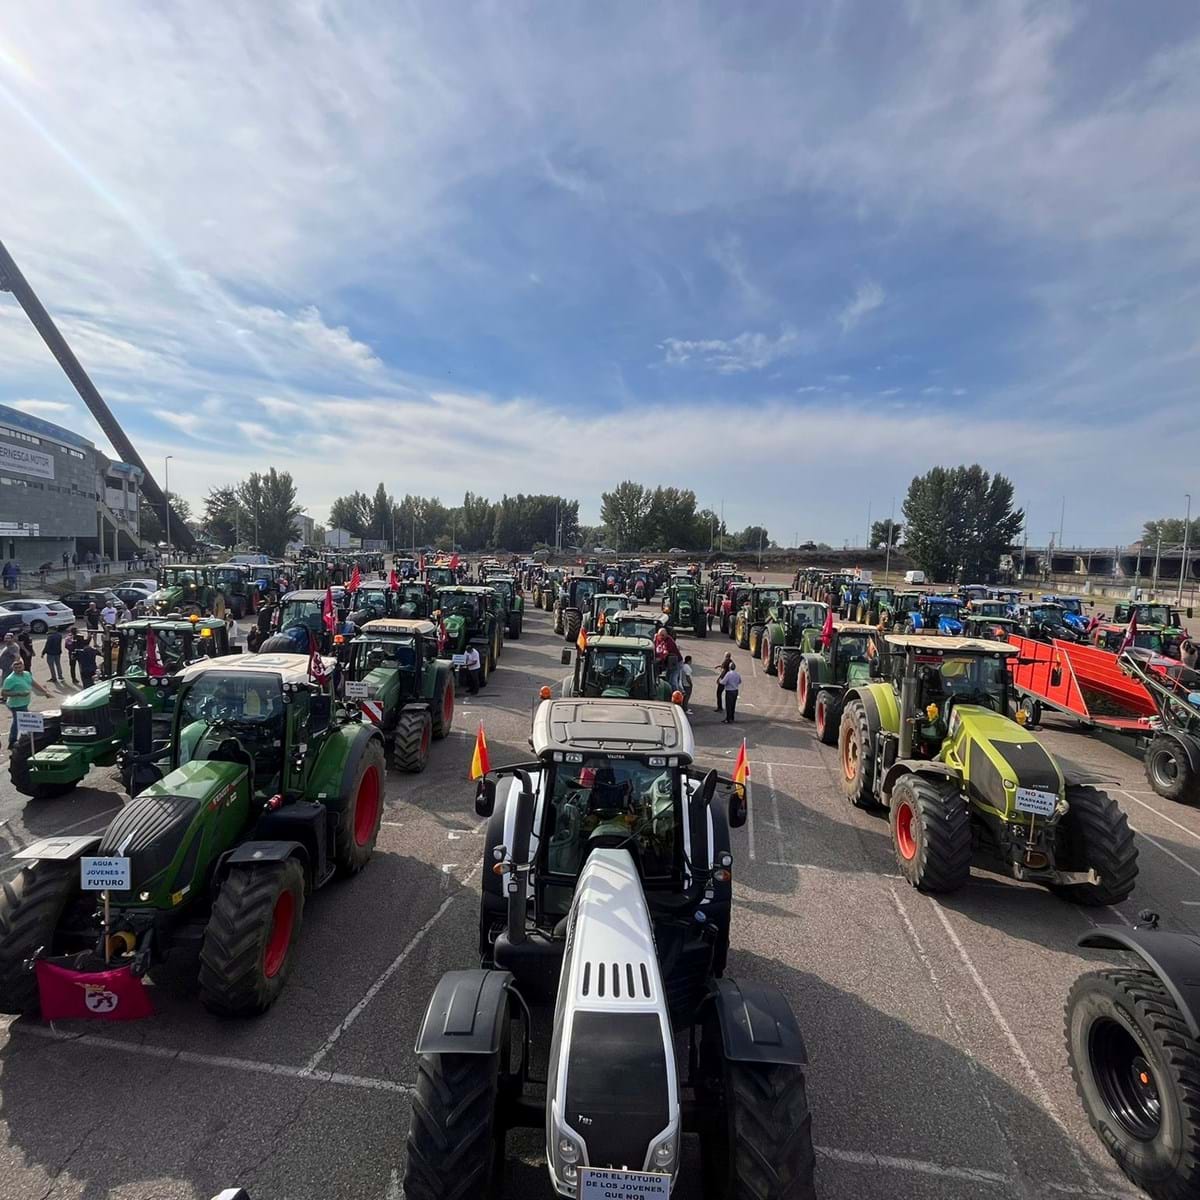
{"x":664,"y":1153}
{"x":568,"y":1150}
{"x":80,"y":731}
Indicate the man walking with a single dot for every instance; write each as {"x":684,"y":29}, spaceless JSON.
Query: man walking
{"x":52,"y":653}
{"x":471,"y":669}
{"x":685,"y":678}
{"x":92,"y":617}
{"x":17,"y":691}
{"x":732,"y":683}
{"x":722,"y":667}
{"x":85,"y":658}
{"x":69,"y":643}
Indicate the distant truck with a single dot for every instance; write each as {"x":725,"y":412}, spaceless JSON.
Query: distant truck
{"x":914,"y":576}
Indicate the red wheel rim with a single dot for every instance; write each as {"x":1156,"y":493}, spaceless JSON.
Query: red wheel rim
{"x":803,"y":693}
{"x":905,"y":842}
{"x":821,"y":714}
{"x":283,"y":920}
{"x":366,"y":806}
{"x":448,"y":708}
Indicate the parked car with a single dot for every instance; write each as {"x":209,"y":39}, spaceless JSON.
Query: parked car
{"x":131,"y":595}
{"x":11,"y":622}
{"x":146,"y":585}
{"x":40,"y":615}
{"x":78,"y":602}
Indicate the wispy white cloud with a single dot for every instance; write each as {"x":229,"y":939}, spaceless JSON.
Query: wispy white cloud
{"x":867,"y":298}
{"x":41,"y":408}
{"x":746,"y":352}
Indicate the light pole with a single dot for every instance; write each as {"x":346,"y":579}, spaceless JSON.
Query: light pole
{"x":167,"y":493}
{"x":1187,"y":528}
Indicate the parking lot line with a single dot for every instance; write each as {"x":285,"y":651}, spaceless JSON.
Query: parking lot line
{"x":862,"y":1158}
{"x":1187,"y":866}
{"x":1159,"y":813}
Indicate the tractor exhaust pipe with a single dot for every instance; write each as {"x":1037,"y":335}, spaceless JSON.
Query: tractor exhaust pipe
{"x":517,"y":880}
{"x":908,"y":700}
{"x":142,"y":770}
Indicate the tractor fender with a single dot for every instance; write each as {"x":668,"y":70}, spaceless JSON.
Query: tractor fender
{"x":58,"y":849}
{"x":757,"y":1023}
{"x":916,"y":620}
{"x":883,"y":709}
{"x":466,"y":1013}
{"x":1173,"y":957}
{"x":340,"y":756}
{"x":253,"y":854}
{"x":415,"y":706}
{"x":815,"y":667}
{"x":906,"y":766}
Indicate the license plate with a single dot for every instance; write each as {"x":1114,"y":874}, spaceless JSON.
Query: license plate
{"x":107,"y":874}
{"x":596,"y":1183}
{"x":1031,"y":800}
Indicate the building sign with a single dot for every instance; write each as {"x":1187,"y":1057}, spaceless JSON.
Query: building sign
{"x":11,"y":529}
{"x":25,"y":461}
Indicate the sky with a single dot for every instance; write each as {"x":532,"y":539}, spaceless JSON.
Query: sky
{"x":787,"y":255}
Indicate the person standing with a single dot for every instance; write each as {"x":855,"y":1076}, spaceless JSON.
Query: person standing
{"x":733,"y":684}
{"x":17,"y":691}
{"x":231,"y":629}
{"x":471,"y":669}
{"x":69,"y":644}
{"x":85,"y":658}
{"x":722,"y":667}
{"x":667,"y":651}
{"x":685,"y":678}
{"x":10,"y":655}
{"x":52,"y":653}
{"x":25,"y":641}
{"x":108,"y":614}
{"x":92,"y":617}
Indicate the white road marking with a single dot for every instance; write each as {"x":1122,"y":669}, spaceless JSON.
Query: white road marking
{"x":863,"y":1158}
{"x":1169,"y":853}
{"x":775,"y":811}
{"x":1163,"y":815}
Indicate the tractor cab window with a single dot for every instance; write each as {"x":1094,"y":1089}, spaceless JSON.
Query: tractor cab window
{"x":942,"y":608}
{"x":169,"y":651}
{"x":398,"y":652}
{"x":177,"y":576}
{"x":855,"y":649}
{"x":885,"y":595}
{"x":374,"y":602}
{"x":227,"y":575}
{"x":617,"y":671}
{"x":1046,"y":614}
{"x":805,"y":615}
{"x":463,"y":604}
{"x":245,"y":709}
{"x":584,"y":591}
{"x":1154,"y":614}
{"x":623,"y":803}
{"x":302,"y":612}
{"x":965,"y":679}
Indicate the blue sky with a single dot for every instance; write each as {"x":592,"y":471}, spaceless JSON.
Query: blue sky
{"x":786,"y":255}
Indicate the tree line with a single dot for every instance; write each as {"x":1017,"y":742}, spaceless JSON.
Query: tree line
{"x":638,"y":518}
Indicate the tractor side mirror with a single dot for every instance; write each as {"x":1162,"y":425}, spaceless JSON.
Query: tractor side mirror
{"x":485,"y":796}
{"x":566,"y":657}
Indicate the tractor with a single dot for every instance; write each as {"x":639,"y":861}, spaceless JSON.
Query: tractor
{"x":603,"y":606}
{"x":642,"y":623}
{"x":936,"y":614}
{"x":468,"y":612}
{"x":272,"y":790}
{"x":506,"y":586}
{"x":408,"y":686}
{"x":736,"y":594}
{"x":1161,"y":616}
{"x":606,"y":913}
{"x":574,"y":598}
{"x":641,"y":583}
{"x":763,"y":606}
{"x":1047,"y":623}
{"x":873,"y":604}
{"x":414,"y":601}
{"x":894,"y":614}
{"x":92,"y":727}
{"x":440,"y":575}
{"x":299,"y":622}
{"x":238,"y":584}
{"x":850,"y":657}
{"x":685,"y":609}
{"x":718,"y":588}
{"x":188,"y":589}
{"x":851,"y":597}
{"x":1073,"y":613}
{"x":779,"y":646}
{"x":372,"y":602}
{"x":963,"y":782}
{"x":988,"y":629}
{"x":622,"y":668}
{"x":1172,"y":759}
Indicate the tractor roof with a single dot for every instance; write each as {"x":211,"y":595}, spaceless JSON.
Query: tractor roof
{"x":172,"y":624}
{"x":770,"y":587}
{"x":638,"y":614}
{"x":947,"y":645}
{"x":853,"y":627}
{"x":793,"y":602}
{"x":617,"y":726}
{"x":291,"y":668}
{"x":312,"y":593}
{"x":472,"y":589}
{"x":609,"y":642}
{"x":399,"y":625}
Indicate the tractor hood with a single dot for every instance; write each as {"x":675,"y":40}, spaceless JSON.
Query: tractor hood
{"x":1001,"y":756}
{"x":456,"y":630}
{"x":87,"y":701}
{"x":380,"y":681}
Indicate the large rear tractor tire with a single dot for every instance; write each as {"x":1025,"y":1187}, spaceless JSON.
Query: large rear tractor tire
{"x":788,"y":668}
{"x":856,"y":755}
{"x":1169,"y":771}
{"x":931,"y":833}
{"x":754,"y":640}
{"x":559,"y":624}
{"x":806,"y":690}
{"x":826,"y":713}
{"x":443,"y":707}
{"x":572,"y":623}
{"x":741,"y":635}
{"x":766,"y":653}
{"x":1095,"y":835}
{"x":247,"y":952}
{"x":1137,"y":1070}
{"x":19,"y":774}
{"x":31,"y":907}
{"x":414,"y":736}
{"x":452,"y":1135}
{"x":361,"y":811}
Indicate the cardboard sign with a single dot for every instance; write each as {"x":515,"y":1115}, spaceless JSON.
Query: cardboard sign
{"x":459,"y":660}
{"x":104,"y":874}
{"x":30,"y":722}
{"x":357,"y":689}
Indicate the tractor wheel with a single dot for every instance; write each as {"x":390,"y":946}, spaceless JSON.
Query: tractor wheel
{"x":760,"y":1146}
{"x":1136,"y":1068}
{"x":754,"y":640}
{"x":18,"y":771}
{"x":558,"y":621}
{"x":1167,"y":768}
{"x":484,"y":673}
{"x":361,"y":811}
{"x":1095,"y":835}
{"x":572,"y":623}
{"x":826,"y":712}
{"x":806,"y":690}
{"x":787,"y":668}
{"x":702,"y":626}
{"x":454,"y":1148}
{"x":766,"y":653}
{"x":724,"y":624}
{"x":1034,"y":709}
{"x":931,"y":833}
{"x":443,"y":707}
{"x":31,"y":908}
{"x":414,"y":735}
{"x":856,"y":753}
{"x":218,"y":606}
{"x":741,"y":635}
{"x":237,"y":607}
{"x":277,"y":643}
{"x":247,"y":950}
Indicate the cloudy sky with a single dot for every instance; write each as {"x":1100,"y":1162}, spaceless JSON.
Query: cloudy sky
{"x":785,"y":254}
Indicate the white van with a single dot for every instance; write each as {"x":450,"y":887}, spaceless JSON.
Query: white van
{"x":914,"y":576}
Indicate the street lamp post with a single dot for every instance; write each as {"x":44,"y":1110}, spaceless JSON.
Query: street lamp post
{"x":167,"y":493}
{"x":1187,"y":528}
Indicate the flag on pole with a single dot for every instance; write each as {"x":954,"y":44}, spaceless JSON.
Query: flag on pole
{"x":453,"y":563}
{"x":827,"y":629}
{"x":393,"y":581}
{"x":1130,"y":637}
{"x":741,"y":768}
{"x":154,"y":667}
{"x":443,"y":636}
{"x":316,"y":667}
{"x":355,"y":580}
{"x":480,"y":764}
{"x":581,"y":641}
{"x":328,"y":615}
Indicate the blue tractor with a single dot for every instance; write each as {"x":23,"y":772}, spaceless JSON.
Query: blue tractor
{"x":936,"y":614}
{"x":1073,"y":615}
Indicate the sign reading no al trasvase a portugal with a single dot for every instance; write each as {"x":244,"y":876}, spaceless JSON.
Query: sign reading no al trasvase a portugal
{"x":25,"y":461}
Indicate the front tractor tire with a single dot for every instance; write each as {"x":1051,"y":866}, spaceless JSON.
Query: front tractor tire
{"x":806,"y":690}
{"x":856,"y":755}
{"x":1095,"y":835}
{"x":572,"y":623}
{"x":452,"y":1135}
{"x":754,"y":640}
{"x":766,"y":653}
{"x":931,"y":833}
{"x":414,"y":736}
{"x":247,"y":952}
{"x":787,"y":668}
{"x":361,"y":810}
{"x":1168,"y":769}
{"x":1137,"y":1070}
{"x":558,"y":621}
{"x":20,"y":776}
{"x":31,"y":907}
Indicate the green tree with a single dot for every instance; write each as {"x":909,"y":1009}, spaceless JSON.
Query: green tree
{"x":885,"y":530}
{"x":224,"y":518}
{"x":1170,"y":529}
{"x":270,"y":502}
{"x":379,"y":525}
{"x":672,"y":518}
{"x":753,"y":537}
{"x":351,"y":513}
{"x":959,"y":521}
{"x":626,"y":511}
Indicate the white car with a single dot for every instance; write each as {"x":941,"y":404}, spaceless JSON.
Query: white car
{"x":147,"y":585}
{"x":41,"y":615}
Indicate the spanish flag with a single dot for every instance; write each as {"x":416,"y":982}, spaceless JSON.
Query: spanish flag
{"x":581,"y":641}
{"x":480,"y":765}
{"x":741,"y":768}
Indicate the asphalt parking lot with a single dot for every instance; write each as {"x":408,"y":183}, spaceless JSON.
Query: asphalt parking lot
{"x":934,"y":1027}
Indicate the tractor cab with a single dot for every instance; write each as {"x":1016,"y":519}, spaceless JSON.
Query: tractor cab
{"x":895,"y":614}
{"x":580,"y":589}
{"x":936,"y":614}
{"x":972,"y":591}
{"x":238,"y":584}
{"x":1047,"y":622}
{"x":389,"y":645}
{"x":988,"y":628}
{"x":468,"y":614}
{"x":440,"y":576}
{"x":1111,"y":637}
{"x":850,"y":657}
{"x":684,"y":607}
{"x":604,"y":605}
{"x":1149,"y":613}
{"x":760,"y":608}
{"x":644,"y":623}
{"x":1073,"y":613}
{"x":641,"y":583}
{"x":299,"y":621}
{"x":372,"y":602}
{"x":414,"y":601}
{"x":507,"y":587}
{"x":187,"y":589}
{"x":153,"y":651}
{"x":616,"y":668}
{"x":998,"y":609}
{"x":874,"y":603}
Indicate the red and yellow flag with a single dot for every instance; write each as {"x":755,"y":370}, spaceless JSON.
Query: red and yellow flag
{"x":480,"y":764}
{"x":581,"y":641}
{"x":741,"y":768}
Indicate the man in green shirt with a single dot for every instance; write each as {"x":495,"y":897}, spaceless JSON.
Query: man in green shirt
{"x":17,"y":693}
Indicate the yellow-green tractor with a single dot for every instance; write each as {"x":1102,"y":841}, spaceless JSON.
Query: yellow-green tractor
{"x":932,"y":742}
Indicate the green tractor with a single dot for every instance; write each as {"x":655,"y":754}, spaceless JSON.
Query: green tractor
{"x":963,"y":782}
{"x":574,"y":598}
{"x":685,"y":608}
{"x":273,"y":790}
{"x":779,"y":645}
{"x":762,"y":606}
{"x":603,"y":606}
{"x":894,"y":614}
{"x":548,"y":589}
{"x":851,"y":658}
{"x":409,"y":689}
{"x":92,"y":727}
{"x":872,"y":604}
{"x":372,"y":602}
{"x":240,"y":587}
{"x":468,"y":612}
{"x":189,"y":589}
{"x":617,"y":668}
{"x":506,"y":586}
{"x":440,"y":575}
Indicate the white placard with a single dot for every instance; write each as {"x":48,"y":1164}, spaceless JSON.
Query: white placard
{"x":108,"y":874}
{"x":459,"y":660}
{"x":25,"y":461}
{"x":597,"y":1184}
{"x":1032,"y":800}
{"x":30,"y":722}
{"x":357,"y":689}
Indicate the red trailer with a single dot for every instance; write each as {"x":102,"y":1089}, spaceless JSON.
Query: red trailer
{"x":1081,"y":681}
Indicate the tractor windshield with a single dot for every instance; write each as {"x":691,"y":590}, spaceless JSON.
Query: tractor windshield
{"x":176,"y":576}
{"x":624,"y":672}
{"x":942,"y":608}
{"x":374,"y":601}
{"x":170,"y":648}
{"x":227,"y":576}
{"x":584,"y":591}
{"x":462,"y":604}
{"x":1047,"y":614}
{"x":884,"y":595}
{"x":989,"y":608}
{"x":967,"y":679}
{"x":1154,"y":614}
{"x":645,"y":627}
{"x":247,"y":698}
{"x":621,"y":803}
{"x":854,"y":648}
{"x":503,"y":586}
{"x":301,"y":612}
{"x":807,"y":614}
{"x":393,"y":650}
